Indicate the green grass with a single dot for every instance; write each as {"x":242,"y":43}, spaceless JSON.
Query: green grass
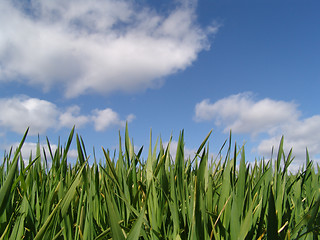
{"x":126,"y":197}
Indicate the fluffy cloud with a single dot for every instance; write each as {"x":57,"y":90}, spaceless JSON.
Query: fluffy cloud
{"x":243,"y":114}
{"x":18,"y":113}
{"x":99,"y":46}
{"x":106,"y":118}
{"x":299,"y":135}
{"x":71,"y":117}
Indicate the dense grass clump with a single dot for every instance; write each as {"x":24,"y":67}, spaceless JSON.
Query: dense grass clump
{"x":125,"y":197}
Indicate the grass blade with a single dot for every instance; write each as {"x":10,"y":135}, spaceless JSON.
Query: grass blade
{"x":6,"y":188}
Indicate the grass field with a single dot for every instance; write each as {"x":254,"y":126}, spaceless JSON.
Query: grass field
{"x":127,"y":197}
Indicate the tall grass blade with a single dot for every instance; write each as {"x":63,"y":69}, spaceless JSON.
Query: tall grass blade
{"x":6,"y":187}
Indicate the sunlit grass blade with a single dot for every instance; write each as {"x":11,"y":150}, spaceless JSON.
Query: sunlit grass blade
{"x":203,"y":143}
{"x":71,"y":192}
{"x":6,"y":187}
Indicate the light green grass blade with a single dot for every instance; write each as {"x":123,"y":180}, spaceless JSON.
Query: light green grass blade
{"x":18,"y":229}
{"x":114,"y":219}
{"x":71,"y":192}
{"x":134,"y":233}
{"x":47,"y":223}
{"x":6,"y":188}
{"x":203,"y":143}
{"x":103,"y":235}
{"x":6,"y":230}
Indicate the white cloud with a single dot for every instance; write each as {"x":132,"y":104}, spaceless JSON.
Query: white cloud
{"x":71,"y":117}
{"x":299,"y":135}
{"x":130,"y":118}
{"x":243,"y":114}
{"x":99,"y":46}
{"x":73,"y":153}
{"x":106,"y":118}
{"x":18,"y":113}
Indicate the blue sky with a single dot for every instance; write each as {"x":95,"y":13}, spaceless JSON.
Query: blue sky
{"x":249,"y":66}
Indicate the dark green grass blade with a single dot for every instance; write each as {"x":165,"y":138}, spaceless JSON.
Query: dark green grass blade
{"x":272,"y":224}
